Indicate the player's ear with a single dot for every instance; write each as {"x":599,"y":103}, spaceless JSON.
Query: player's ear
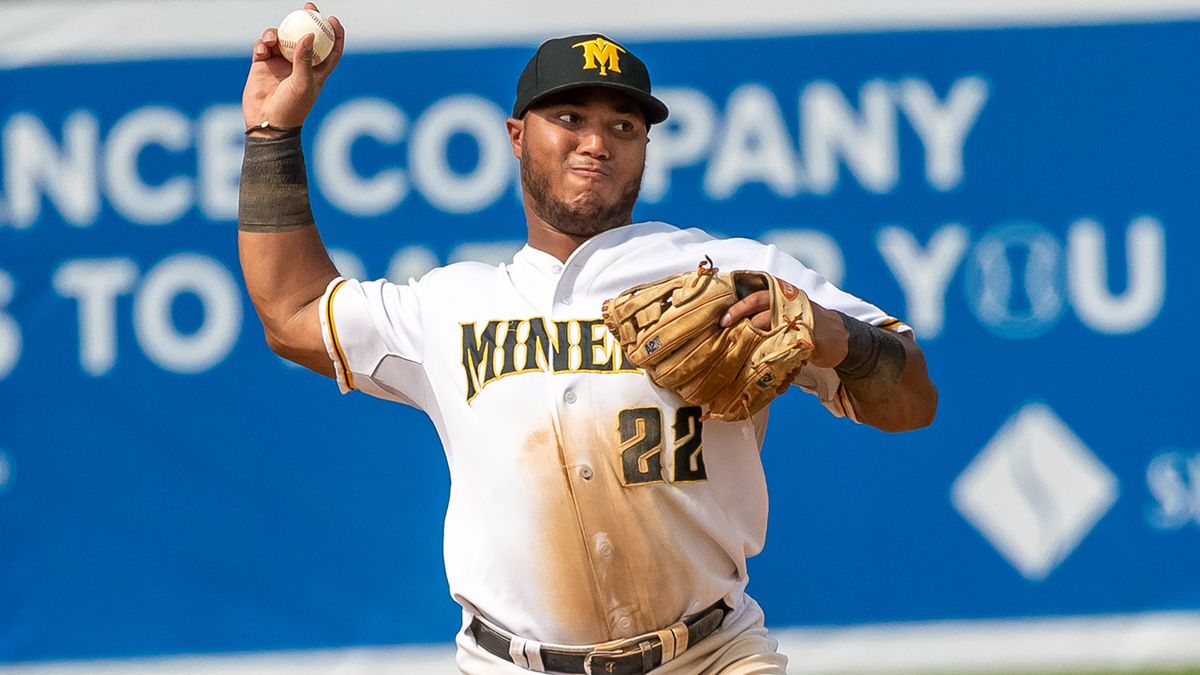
{"x":516,"y":130}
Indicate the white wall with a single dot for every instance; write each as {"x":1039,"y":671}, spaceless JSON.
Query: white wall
{"x":67,"y":31}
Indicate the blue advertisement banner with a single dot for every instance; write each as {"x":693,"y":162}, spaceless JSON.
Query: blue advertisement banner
{"x":1024,"y":198}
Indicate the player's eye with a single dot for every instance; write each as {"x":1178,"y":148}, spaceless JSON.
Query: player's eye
{"x":624,"y":126}
{"x":568,"y":117}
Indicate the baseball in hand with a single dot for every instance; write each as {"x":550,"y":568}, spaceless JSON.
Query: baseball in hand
{"x":300,"y":23}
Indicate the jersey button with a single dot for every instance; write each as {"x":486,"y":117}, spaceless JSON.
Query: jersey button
{"x":586,"y":472}
{"x":566,"y":300}
{"x":557,"y":269}
{"x":570,"y":397}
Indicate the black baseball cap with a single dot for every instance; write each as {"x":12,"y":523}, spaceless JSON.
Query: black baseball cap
{"x":589,"y":60}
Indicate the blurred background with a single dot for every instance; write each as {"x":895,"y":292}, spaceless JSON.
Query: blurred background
{"x":1017,"y":180}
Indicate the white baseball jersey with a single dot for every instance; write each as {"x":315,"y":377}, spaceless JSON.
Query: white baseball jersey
{"x":586,"y":504}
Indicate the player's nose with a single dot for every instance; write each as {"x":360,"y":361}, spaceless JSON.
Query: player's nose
{"x":593,"y":143}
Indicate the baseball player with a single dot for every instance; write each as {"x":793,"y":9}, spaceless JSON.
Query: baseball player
{"x":597,"y":522}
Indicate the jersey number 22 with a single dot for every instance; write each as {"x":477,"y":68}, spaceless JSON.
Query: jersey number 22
{"x":641,"y":432}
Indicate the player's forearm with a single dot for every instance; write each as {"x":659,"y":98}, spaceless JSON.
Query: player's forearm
{"x":887,"y":381}
{"x":284,"y":262}
{"x":908,"y":403}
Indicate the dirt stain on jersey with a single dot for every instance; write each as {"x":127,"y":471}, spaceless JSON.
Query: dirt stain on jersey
{"x":614,"y":561}
{"x":643,"y":547}
{"x":636,"y":586}
{"x":565,"y":579}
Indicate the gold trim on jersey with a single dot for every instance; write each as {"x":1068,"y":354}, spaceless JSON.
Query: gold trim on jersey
{"x":337,"y":345}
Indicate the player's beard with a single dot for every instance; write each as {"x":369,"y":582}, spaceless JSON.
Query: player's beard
{"x":582,"y":219}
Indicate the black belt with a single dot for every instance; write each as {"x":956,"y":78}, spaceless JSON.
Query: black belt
{"x":641,"y":656}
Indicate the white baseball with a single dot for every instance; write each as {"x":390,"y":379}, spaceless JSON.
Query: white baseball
{"x":300,"y":23}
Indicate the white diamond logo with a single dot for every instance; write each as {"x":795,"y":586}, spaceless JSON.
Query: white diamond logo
{"x":1034,"y":491}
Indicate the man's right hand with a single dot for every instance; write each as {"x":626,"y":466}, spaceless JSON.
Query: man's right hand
{"x":281,"y":92}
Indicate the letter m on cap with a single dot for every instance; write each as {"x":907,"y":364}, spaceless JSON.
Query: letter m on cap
{"x":602,"y":53}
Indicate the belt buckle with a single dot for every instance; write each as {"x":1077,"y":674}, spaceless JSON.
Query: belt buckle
{"x":609,"y":665}
{"x":610,"y":657}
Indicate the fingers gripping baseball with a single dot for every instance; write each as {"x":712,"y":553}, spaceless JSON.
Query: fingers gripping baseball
{"x":283,"y":92}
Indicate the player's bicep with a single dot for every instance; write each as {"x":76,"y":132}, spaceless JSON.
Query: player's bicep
{"x":306,"y":345}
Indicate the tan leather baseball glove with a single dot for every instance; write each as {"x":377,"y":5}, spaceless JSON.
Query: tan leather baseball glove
{"x":670,"y":328}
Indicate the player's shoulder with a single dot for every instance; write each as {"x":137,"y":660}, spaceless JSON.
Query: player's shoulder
{"x":658,"y":232}
{"x":693,"y":241}
{"x":457,"y":273}
{"x":451,"y":280}
{"x":643,"y":251}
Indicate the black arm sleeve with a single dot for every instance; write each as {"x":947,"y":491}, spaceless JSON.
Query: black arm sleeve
{"x":874,"y":353}
{"x":273,"y":196}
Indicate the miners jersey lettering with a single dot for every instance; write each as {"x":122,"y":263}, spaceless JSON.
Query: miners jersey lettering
{"x":586,"y":504}
{"x":516,"y":346}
